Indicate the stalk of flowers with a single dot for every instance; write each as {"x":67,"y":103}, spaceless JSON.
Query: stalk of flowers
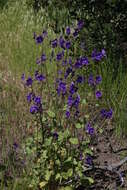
{"x":73,"y":77}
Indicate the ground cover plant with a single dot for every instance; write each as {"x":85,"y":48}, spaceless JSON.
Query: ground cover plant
{"x":57,"y":122}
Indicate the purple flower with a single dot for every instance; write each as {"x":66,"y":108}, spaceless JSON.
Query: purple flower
{"x":29,"y":81}
{"x":80,"y":24}
{"x":43,"y":57}
{"x":98,"y":94}
{"x":15,"y":145}
{"x":73,"y":88}
{"x":61,"y":42}
{"x":61,"y":88}
{"x":106,"y":114}
{"x":44,"y":33}
{"x":55,"y":135}
{"x":40,"y":77}
{"x":68,"y":45}
{"x":59,"y":56}
{"x":39,"y":39}
{"x":70,"y":101}
{"x":98,"y":79}
{"x":68,"y":30}
{"x":109,"y":114}
{"x":103,"y":52}
{"x":68,"y":71}
{"x":38,"y":61}
{"x":91,"y":80}
{"x":84,"y":61}
{"x":37,"y":100}
{"x":54,"y":43}
{"x":76,"y":101}
{"x":78,"y":63}
{"x":97,"y":56}
{"x":34,"y":109}
{"x":23,"y":76}
{"x":89,"y":160}
{"x":89,"y":129}
{"x":30,"y":97}
{"x":67,"y":113}
{"x":76,"y":32}
{"x":79,"y":79}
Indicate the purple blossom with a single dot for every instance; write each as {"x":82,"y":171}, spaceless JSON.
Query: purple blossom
{"x":37,"y":100}
{"x":30,"y":97}
{"x":98,"y":79}
{"x":15,"y":145}
{"x":54,"y":43}
{"x":59,"y":56}
{"x":62,"y":42}
{"x":91,"y":80}
{"x":67,"y":113}
{"x":34,"y":109}
{"x":61,"y":88}
{"x":89,"y":160}
{"x":68,"y":45}
{"x":97,"y":56}
{"x":23,"y":77}
{"x":44,"y":33}
{"x":79,"y":79}
{"x":89,"y":129}
{"x":68,"y":30}
{"x":40,"y":77}
{"x":55,"y":135}
{"x":78,"y":63}
{"x":80,"y":24}
{"x":29,"y":81}
{"x":76,"y":32}
{"x":70,"y":101}
{"x":68,"y":71}
{"x":106,"y":114}
{"x":43,"y":57}
{"x":73,"y":88}
{"x":84,"y":61}
{"x":39,"y":39}
{"x":98,"y":94}
{"x":76,"y":101}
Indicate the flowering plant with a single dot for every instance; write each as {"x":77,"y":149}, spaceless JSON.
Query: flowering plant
{"x":66,"y":103}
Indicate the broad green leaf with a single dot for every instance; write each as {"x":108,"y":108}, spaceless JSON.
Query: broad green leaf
{"x":70,"y":172}
{"x":73,"y":140}
{"x":78,"y":126}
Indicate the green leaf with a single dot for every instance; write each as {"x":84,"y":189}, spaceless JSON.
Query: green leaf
{"x":90,"y":179}
{"x":58,"y":176}
{"x":48,"y":175}
{"x":70,"y":172}
{"x":79,"y":126}
{"x":73,"y":140}
{"x":68,"y":160}
{"x":43,"y":184}
{"x":51,"y":113}
{"x":84,"y":101}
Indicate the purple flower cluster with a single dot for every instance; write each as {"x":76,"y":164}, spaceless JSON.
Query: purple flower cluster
{"x":97,"y":56}
{"x":94,"y":81}
{"x":106,"y":114}
{"x":40,"y":38}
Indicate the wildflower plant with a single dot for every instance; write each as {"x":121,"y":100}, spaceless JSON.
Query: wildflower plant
{"x":67,"y":104}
